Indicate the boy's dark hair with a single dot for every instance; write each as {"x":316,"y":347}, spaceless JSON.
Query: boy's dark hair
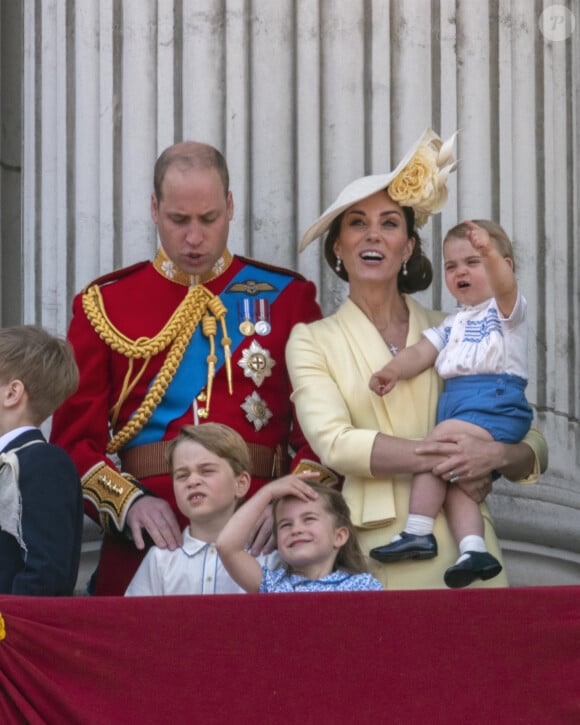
{"x":218,"y":438}
{"x":350,"y":557}
{"x":44,"y":363}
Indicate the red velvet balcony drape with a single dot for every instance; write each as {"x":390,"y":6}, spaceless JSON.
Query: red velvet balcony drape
{"x":469,"y":656}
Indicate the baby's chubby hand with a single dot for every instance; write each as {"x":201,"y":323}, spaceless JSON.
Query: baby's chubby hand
{"x":478,"y":237}
{"x":383,"y":381}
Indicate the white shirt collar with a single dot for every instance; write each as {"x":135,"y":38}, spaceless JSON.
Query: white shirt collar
{"x":192,"y":546}
{"x":7,"y":438}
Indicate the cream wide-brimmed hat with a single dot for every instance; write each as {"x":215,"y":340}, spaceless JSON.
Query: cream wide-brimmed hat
{"x":419,"y":181}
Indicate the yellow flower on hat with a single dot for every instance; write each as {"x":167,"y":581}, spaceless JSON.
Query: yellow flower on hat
{"x":419,"y":181}
{"x":421,"y":184}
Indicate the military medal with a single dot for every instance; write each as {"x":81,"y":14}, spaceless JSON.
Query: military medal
{"x":246,"y":328}
{"x":263,"y":327}
{"x":262,"y":316}
{"x":257,"y":363}
{"x":256,"y":410}
{"x":245,"y":315}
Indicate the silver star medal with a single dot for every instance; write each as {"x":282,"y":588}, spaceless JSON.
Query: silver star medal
{"x":257,"y":363}
{"x":256,"y":410}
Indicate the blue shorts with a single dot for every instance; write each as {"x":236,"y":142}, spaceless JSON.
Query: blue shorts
{"x":496,"y":403}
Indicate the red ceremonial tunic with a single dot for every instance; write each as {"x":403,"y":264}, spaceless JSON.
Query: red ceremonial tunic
{"x":139,"y":301}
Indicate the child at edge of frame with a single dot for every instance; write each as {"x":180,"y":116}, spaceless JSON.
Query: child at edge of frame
{"x":41,"y":503}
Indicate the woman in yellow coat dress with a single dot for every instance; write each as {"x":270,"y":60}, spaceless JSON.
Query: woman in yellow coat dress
{"x":372,"y":243}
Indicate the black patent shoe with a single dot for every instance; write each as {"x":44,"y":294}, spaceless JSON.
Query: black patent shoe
{"x":409,"y":546}
{"x":478,"y":565}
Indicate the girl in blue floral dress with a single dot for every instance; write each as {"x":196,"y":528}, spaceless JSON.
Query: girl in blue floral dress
{"x":315,"y":538}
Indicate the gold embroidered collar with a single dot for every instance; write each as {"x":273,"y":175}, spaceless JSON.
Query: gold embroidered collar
{"x":171,"y":271}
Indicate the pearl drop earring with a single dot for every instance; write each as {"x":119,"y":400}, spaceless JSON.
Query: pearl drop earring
{"x":405,"y":270}
{"x":338,"y":265}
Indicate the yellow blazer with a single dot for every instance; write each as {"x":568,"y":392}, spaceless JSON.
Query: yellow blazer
{"x":330,"y":362}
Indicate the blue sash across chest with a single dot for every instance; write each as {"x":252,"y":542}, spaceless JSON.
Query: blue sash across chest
{"x":191,"y":376}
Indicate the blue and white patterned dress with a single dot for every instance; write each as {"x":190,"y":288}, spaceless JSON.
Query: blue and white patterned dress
{"x":280,"y":581}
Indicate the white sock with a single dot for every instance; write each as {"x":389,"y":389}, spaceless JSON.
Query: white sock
{"x":470,"y":543}
{"x":418,"y":525}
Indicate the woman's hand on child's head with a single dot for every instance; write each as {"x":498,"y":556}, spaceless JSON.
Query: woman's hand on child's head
{"x":478,"y":237}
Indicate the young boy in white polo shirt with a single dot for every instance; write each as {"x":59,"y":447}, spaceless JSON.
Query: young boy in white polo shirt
{"x":210,"y":466}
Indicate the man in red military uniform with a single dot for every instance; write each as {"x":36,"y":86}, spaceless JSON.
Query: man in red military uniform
{"x":196,"y":335}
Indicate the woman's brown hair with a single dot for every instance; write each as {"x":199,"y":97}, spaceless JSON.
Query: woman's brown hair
{"x":419,"y":268}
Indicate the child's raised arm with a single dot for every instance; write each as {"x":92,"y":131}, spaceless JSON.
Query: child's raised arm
{"x":499,"y":269}
{"x":231,"y":544}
